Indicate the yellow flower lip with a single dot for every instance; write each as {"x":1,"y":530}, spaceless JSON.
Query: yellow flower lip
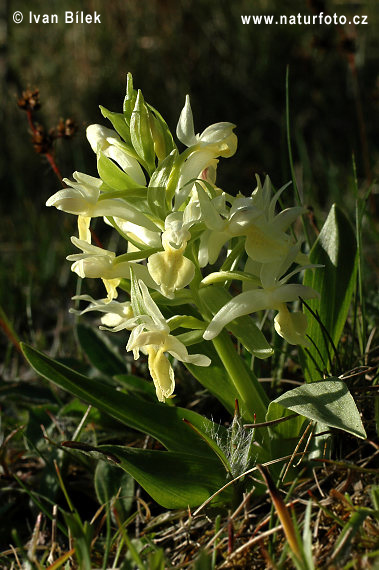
{"x":170,"y":269}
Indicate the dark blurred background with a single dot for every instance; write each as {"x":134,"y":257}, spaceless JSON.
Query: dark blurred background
{"x":233,"y":72}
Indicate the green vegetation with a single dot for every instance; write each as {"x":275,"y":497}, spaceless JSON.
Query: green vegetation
{"x":94,"y":472}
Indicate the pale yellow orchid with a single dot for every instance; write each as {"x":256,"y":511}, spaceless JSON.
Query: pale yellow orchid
{"x":170,"y":269}
{"x":202,"y":153}
{"x":218,"y":138}
{"x":274,"y":294}
{"x":255,"y":218}
{"x":151,"y":335}
{"x":116,"y":315}
{"x":83,"y":197}
{"x":96,"y":262}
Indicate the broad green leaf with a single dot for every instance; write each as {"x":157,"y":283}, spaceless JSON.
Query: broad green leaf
{"x":335,"y":248}
{"x":165,"y":423}
{"x":289,"y":429}
{"x":174,"y":480}
{"x":327,"y":401}
{"x":99,"y":351}
{"x":243,"y":328}
{"x":138,"y":386}
{"x":111,"y":482}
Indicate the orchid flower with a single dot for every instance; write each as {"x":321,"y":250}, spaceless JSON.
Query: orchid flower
{"x":274,"y":294}
{"x":83,"y":197}
{"x":170,"y":268}
{"x":218,"y":137}
{"x":151,"y":335}
{"x":255,"y":218}
{"x":203,"y":149}
{"x":96,"y":262}
{"x":116,"y":315}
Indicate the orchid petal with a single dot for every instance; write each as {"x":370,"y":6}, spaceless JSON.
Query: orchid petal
{"x":243,"y":304}
{"x":185,"y":130}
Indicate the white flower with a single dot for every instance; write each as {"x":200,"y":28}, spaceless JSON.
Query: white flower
{"x":255,"y":218}
{"x":138,"y":233}
{"x":203,"y":149}
{"x":151,"y":335}
{"x":218,"y":137}
{"x":83,"y":197}
{"x":214,"y":215}
{"x":117,"y":316}
{"x":274,"y":294}
{"x":96,"y":262}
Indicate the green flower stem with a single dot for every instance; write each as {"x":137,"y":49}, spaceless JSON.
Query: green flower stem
{"x":253,"y":398}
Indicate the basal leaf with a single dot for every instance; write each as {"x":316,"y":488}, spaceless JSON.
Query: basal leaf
{"x":111,"y":482}
{"x":327,"y":401}
{"x":165,"y":423}
{"x":175,"y":480}
{"x":335,"y":249}
{"x":99,"y":352}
